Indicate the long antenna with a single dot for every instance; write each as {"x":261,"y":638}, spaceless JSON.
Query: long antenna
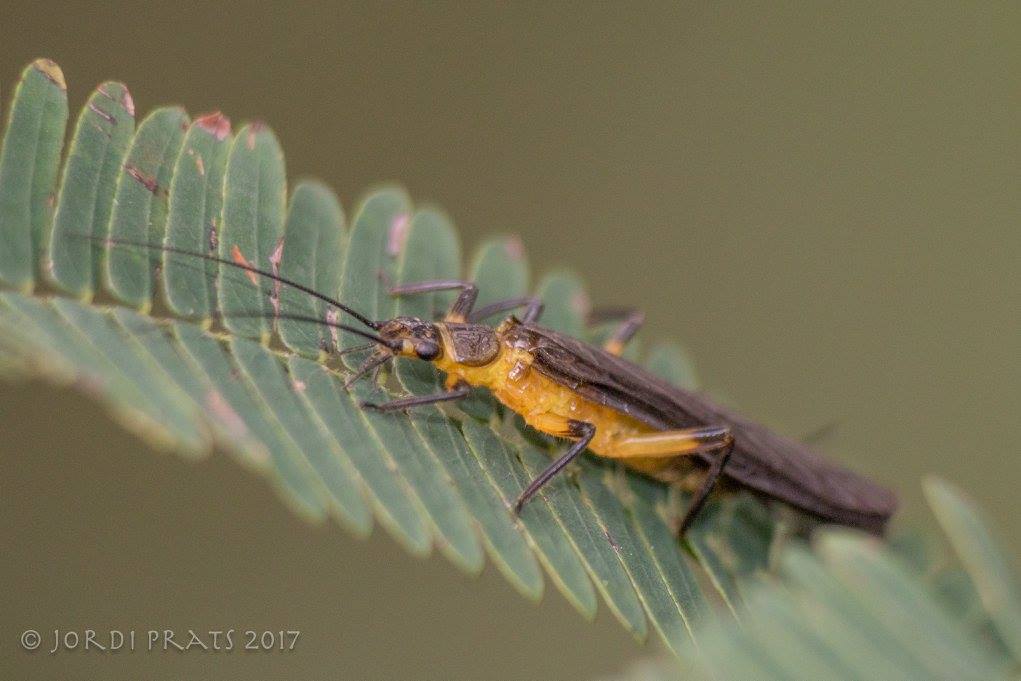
{"x":393,"y":345}
{"x":241,"y":266}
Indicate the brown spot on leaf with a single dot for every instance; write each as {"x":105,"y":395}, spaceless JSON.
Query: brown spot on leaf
{"x":216,"y":124}
{"x":225,"y":414}
{"x":239,"y":259}
{"x":51,"y":71}
{"x":128,"y":103}
{"x":274,"y":262}
{"x":332,"y":318}
{"x":580,"y":303}
{"x":276,"y":256}
{"x":200,"y":165}
{"x":514,"y":248}
{"x":254,"y":129}
{"x":102,"y":114}
{"x":398,"y":234}
{"x":147,"y":181}
{"x":299,"y":386}
{"x":214,"y":236}
{"x":613,"y":542}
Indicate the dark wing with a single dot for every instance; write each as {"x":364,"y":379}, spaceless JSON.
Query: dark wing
{"x":764,"y":461}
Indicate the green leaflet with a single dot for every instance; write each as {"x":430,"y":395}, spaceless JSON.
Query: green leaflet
{"x":970,"y":535}
{"x":500,"y":269}
{"x":565,"y":303}
{"x":28,"y":169}
{"x":101,"y":140}
{"x":195,"y":217}
{"x":313,"y":255}
{"x":254,"y":190}
{"x":140,"y":205}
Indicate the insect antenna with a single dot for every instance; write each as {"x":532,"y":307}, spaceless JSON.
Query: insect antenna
{"x":353,"y":349}
{"x":375,"y":340}
{"x":231,"y":263}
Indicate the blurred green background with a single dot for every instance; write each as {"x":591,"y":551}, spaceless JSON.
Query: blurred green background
{"x":819,"y":200}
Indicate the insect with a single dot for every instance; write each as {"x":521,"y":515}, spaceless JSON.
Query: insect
{"x":595,"y":399}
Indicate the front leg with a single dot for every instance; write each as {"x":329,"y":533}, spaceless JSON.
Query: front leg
{"x":458,"y":392}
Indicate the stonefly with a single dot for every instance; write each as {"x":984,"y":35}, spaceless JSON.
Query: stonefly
{"x":594,"y":398}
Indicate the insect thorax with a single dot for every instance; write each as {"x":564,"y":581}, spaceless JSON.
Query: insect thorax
{"x":470,"y":344}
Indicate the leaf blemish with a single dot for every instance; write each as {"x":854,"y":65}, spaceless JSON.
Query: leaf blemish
{"x":51,"y":71}
{"x":102,"y":114}
{"x":128,"y":103}
{"x":611,"y":540}
{"x":253,"y":130}
{"x":239,"y":258}
{"x":200,"y":165}
{"x":514,"y":248}
{"x":580,"y":303}
{"x":332,"y":318}
{"x":274,"y":262}
{"x":225,"y":414}
{"x":216,"y":124}
{"x":397,"y":235}
{"x":147,"y":181}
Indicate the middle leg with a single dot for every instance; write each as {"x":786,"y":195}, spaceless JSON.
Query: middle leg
{"x":462,"y":306}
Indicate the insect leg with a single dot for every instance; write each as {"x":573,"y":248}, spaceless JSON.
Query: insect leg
{"x":582,"y":430}
{"x":462,"y":306}
{"x":630,"y":321}
{"x":670,"y":443}
{"x":533,"y":311}
{"x":533,"y":304}
{"x":456,"y":393}
{"x":715,"y":471}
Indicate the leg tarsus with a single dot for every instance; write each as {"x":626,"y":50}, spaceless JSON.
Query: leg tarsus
{"x":457,"y":393}
{"x":715,"y":471}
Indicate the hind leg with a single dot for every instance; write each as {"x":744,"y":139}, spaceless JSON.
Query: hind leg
{"x":670,"y":443}
{"x":630,"y":320}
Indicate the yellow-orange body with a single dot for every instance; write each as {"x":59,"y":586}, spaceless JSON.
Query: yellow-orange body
{"x":549,"y":407}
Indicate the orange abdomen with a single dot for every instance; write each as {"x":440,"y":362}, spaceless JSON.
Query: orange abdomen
{"x":548,"y":406}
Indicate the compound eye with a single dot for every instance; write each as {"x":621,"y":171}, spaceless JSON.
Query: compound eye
{"x":427,"y":350}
